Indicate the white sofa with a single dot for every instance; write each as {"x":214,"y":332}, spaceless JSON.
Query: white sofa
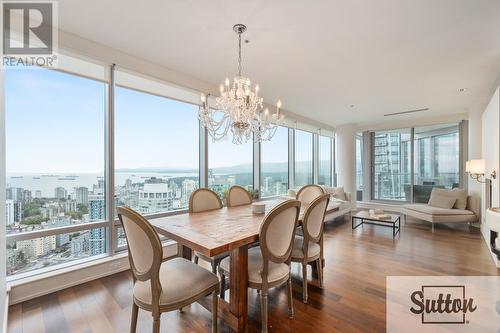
{"x":340,"y":201}
{"x":443,"y":215}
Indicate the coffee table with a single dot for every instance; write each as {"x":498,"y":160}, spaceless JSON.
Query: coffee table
{"x":393,"y":221}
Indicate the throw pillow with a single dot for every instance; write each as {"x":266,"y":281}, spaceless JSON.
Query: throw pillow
{"x":461,"y":195}
{"x":336,"y":192}
{"x":441,"y":201}
{"x":442,"y":198}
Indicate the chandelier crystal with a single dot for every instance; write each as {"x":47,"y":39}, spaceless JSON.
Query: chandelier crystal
{"x":239,"y":110}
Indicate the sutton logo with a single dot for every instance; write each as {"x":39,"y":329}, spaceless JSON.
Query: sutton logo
{"x":442,"y":304}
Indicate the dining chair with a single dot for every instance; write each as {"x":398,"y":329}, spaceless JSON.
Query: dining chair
{"x":203,"y":200}
{"x":309,"y":192}
{"x":269,"y":264}
{"x":162,"y":286}
{"x":238,"y":196}
{"x":309,"y":247}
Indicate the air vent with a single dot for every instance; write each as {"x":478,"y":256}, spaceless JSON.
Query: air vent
{"x":405,"y":112}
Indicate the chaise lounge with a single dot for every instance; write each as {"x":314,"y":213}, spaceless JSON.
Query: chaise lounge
{"x":445,"y":206}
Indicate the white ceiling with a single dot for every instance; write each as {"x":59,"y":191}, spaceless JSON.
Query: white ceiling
{"x":319,"y":57}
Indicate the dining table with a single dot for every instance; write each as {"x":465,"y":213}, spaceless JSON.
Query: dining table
{"x":227,"y":230}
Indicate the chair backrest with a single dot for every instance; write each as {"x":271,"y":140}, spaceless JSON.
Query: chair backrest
{"x":144,"y":245}
{"x":277,"y":232}
{"x":313,"y":220}
{"x":309,"y":192}
{"x":204,"y":199}
{"x":238,"y":196}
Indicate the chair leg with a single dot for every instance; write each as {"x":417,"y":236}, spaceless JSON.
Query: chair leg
{"x":222,"y":285}
{"x":304,"y":282}
{"x":156,"y":322}
{"x":432,"y":227}
{"x":320,"y":273}
{"x":215,"y":265}
{"x":214,"y":312}
{"x":263,"y":310}
{"x":290,"y":297}
{"x":133,"y":322}
{"x":196,"y":259}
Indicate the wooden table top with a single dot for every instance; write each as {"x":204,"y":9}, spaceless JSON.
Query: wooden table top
{"x":216,"y":231}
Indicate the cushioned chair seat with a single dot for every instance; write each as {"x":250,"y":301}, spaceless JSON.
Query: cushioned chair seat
{"x":424,"y":208}
{"x":313,"y":249}
{"x":276,"y":271}
{"x":180,"y":281}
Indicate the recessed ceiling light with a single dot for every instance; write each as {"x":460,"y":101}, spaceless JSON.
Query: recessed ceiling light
{"x":462,"y":89}
{"x":352,"y":105}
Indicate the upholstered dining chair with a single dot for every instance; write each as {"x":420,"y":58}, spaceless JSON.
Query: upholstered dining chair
{"x":309,"y":192}
{"x":238,"y":196}
{"x":202,"y":200}
{"x":162,"y":286}
{"x":309,"y":247}
{"x":269,"y":264}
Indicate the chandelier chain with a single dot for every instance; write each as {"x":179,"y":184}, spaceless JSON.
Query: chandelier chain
{"x":239,"y":54}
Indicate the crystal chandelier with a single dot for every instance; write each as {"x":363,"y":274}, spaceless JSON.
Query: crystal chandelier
{"x":239,"y":110}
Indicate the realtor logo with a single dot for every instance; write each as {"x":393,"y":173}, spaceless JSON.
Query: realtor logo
{"x":442,"y":304}
{"x":29,"y":35}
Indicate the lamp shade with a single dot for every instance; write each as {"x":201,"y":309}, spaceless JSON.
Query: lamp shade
{"x":475,"y":166}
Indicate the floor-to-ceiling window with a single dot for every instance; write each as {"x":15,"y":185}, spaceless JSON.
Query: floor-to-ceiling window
{"x":156,"y":151}
{"x":55,"y":167}
{"x":391,"y":165}
{"x":274,"y":164}
{"x":303,"y":158}
{"x":325,"y":167}
{"x":229,"y":164}
{"x":436,"y":159}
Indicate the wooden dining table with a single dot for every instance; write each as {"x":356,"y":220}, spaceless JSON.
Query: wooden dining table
{"x":228,"y":230}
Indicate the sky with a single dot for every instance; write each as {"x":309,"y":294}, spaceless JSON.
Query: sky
{"x":55,"y":123}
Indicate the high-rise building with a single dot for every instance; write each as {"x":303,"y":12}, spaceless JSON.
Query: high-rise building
{"x":60,"y":221}
{"x":60,"y":193}
{"x":27,"y":196}
{"x":14,"y":194}
{"x":38,"y":194}
{"x":155,"y":197}
{"x":18,"y":211}
{"x":188,"y":187}
{"x":9,"y":212}
{"x":37,"y":247}
{"x":97,"y":211}
{"x":82,"y":195}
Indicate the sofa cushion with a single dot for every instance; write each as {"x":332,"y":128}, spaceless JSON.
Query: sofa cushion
{"x":426,"y":209}
{"x":336,"y":192}
{"x":459,"y":194}
{"x":441,"y":201}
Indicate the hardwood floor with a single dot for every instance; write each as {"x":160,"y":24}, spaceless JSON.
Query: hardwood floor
{"x":357,"y":263}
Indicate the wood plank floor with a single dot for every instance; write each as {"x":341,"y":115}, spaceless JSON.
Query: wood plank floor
{"x":357,"y":263}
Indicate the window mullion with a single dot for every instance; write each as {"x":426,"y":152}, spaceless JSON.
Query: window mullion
{"x":110,"y":163}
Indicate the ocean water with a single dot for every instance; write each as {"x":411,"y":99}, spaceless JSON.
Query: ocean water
{"x":48,"y":182}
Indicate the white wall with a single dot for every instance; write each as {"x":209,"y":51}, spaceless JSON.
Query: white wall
{"x":346,"y":157}
{"x":491,"y":153}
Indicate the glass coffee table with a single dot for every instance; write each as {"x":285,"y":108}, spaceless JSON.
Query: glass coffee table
{"x":392,"y":220}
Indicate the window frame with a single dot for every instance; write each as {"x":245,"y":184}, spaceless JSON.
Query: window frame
{"x":111,"y":223}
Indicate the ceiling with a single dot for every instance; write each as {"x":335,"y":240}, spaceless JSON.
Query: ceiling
{"x":337,"y":61}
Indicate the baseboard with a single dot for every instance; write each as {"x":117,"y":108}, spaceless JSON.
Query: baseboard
{"x":29,"y":288}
